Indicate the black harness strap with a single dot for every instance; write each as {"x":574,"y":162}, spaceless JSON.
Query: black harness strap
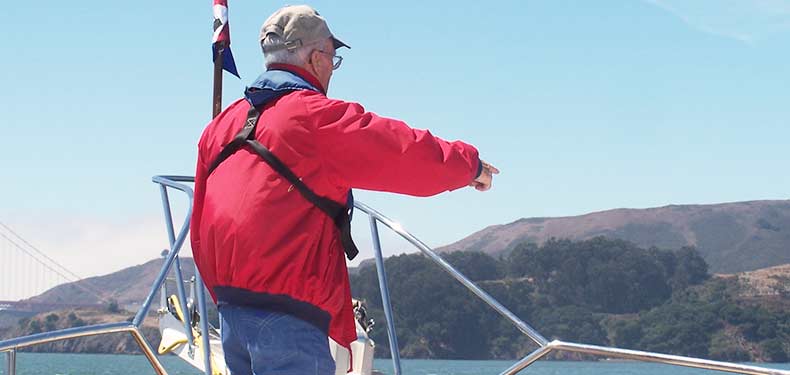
{"x":247,"y":132}
{"x":338,"y":212}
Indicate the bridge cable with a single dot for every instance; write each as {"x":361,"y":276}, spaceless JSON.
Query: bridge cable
{"x":78,"y":282}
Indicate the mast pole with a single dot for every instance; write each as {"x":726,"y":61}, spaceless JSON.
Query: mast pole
{"x":216,"y":106}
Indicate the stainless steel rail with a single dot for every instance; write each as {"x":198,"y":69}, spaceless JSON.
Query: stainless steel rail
{"x":375,"y":217}
{"x":397,"y":228}
{"x":11,"y":362}
{"x":528,"y":360}
{"x":663,"y":358}
{"x":12,"y":345}
{"x":180,"y":289}
{"x":133,"y":327}
{"x":544,"y":347}
{"x":385,"y":296}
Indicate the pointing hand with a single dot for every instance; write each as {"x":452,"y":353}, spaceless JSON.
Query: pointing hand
{"x":484,"y":181}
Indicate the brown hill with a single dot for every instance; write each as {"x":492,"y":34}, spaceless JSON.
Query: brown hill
{"x":128,"y":287}
{"x":118,"y":343}
{"x":766,"y":282}
{"x":732,"y":237}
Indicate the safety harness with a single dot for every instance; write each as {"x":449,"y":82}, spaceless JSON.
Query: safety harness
{"x":340,"y":214}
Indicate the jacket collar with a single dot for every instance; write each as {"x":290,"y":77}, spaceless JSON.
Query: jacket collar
{"x":301,"y":72}
{"x":278,"y":80}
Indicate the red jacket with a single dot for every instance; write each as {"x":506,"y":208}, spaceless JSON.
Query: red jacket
{"x":258,"y":242}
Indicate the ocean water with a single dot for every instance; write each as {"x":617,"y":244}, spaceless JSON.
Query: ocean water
{"x":109,"y":364}
{"x":442,"y":367}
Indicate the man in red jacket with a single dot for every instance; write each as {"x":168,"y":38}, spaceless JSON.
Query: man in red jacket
{"x":274,"y":175}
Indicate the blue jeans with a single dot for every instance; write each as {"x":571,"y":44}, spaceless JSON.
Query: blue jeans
{"x":262,"y":342}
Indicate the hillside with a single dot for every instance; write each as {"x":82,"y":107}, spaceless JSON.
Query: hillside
{"x":128,"y":286}
{"x":117,"y":343}
{"x":766,"y":282}
{"x":598,"y":291}
{"x":516,"y":281}
{"x":731,"y":237}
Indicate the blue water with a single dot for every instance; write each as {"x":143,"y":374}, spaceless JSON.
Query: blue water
{"x":441,"y":367}
{"x":105,"y":364}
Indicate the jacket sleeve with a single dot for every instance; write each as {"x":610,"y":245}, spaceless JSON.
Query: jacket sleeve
{"x":363,"y":150}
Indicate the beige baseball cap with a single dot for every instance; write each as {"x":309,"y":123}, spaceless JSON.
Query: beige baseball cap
{"x":297,"y":25}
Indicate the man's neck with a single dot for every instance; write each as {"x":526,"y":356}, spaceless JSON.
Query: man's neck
{"x":301,"y":72}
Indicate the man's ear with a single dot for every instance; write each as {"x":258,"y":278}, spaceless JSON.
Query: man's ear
{"x":311,"y":57}
{"x":311,"y":60}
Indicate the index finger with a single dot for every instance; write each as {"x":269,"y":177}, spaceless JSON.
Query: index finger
{"x":493,"y":169}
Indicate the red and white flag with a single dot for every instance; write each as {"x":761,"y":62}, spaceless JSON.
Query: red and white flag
{"x":220,"y":41}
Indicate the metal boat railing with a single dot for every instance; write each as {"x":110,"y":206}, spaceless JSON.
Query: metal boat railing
{"x":544,"y":346}
{"x":11,"y":346}
{"x":176,"y":242}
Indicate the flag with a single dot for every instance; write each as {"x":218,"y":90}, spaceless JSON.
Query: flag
{"x":220,"y":42}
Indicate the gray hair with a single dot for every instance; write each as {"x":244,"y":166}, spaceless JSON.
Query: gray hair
{"x":299,"y":56}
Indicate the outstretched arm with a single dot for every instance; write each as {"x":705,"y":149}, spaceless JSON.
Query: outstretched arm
{"x":371,"y":152}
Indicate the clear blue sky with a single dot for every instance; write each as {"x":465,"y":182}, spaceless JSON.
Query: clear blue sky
{"x":584,"y":106}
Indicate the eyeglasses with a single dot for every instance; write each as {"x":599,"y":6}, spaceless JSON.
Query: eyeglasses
{"x":336,"y":59}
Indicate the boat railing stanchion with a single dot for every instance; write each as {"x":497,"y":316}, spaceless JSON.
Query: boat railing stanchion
{"x":385,"y":294}
{"x":198,"y":291}
{"x":480,"y":293}
{"x":182,"y":300}
{"x":528,"y":360}
{"x":203,"y":313}
{"x":11,"y":362}
{"x":544,"y":346}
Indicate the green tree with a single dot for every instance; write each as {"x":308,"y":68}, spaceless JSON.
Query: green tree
{"x":50,"y":322}
{"x":35,"y":326}
{"x":113,"y":307}
{"x":774,"y":350}
{"x":691,"y":268}
{"x":475,"y":265}
{"x":566,"y":289}
{"x":74,"y":320}
{"x":626,"y":334}
{"x":722,"y":349}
